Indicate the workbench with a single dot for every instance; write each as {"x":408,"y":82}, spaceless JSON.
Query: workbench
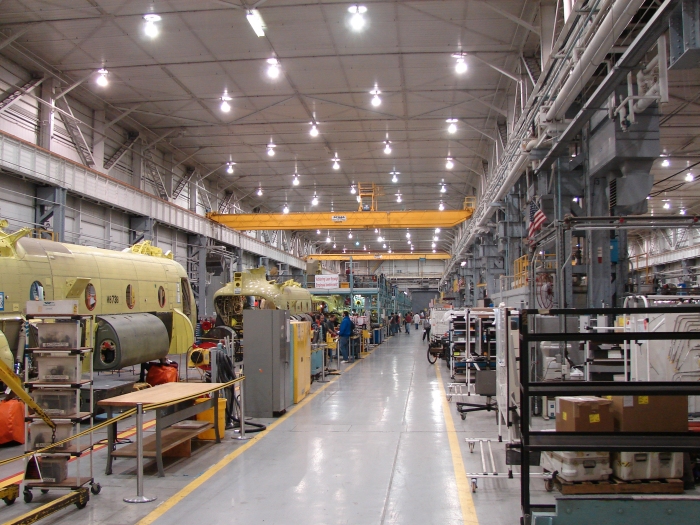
{"x":174,"y":409}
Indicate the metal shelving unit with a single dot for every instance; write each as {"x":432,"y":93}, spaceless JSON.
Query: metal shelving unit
{"x":536,"y":441}
{"x":56,"y":390}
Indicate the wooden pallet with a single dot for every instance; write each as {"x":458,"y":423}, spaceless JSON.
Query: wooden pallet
{"x":618,"y":486}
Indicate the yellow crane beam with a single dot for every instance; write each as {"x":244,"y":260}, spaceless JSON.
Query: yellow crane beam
{"x":364,"y":256}
{"x":356,"y":220}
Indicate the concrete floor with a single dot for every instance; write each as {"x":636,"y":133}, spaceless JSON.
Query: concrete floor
{"x":371,"y":447}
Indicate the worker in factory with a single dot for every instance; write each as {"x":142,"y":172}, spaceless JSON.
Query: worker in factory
{"x":391,"y":323}
{"x":344,"y":333}
{"x":426,"y":328}
{"x":408,"y":319}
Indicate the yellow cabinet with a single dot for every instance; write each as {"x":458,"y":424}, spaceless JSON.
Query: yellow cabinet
{"x":301,"y":356}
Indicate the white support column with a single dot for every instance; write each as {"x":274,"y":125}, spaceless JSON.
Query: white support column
{"x":98,"y":143}
{"x":46,"y":113}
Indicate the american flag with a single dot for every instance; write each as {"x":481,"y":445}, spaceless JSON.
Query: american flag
{"x":537,"y":219}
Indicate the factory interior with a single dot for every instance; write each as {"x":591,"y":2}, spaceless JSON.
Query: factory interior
{"x":388,"y":262}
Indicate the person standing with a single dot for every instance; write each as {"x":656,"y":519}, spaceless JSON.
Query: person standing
{"x":391,"y":324}
{"x":416,"y":320}
{"x":397,"y":323}
{"x":426,"y":329}
{"x":409,"y":319}
{"x":344,"y":333}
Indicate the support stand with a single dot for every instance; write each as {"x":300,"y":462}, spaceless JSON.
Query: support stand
{"x":241,"y":430}
{"x":140,"y":498}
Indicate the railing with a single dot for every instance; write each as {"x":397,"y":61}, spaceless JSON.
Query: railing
{"x":469,"y":203}
{"x":521,"y":266}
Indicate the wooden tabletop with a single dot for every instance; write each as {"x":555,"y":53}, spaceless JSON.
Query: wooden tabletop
{"x":167,"y":393}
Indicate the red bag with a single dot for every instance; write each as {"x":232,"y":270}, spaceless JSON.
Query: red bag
{"x":11,"y":421}
{"x":161,"y":374}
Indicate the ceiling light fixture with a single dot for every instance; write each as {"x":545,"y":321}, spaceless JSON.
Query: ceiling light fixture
{"x":436,"y":238}
{"x":380,"y":239}
{"x":682,"y":212}
{"x":384,"y":246}
{"x":364,"y":247}
{"x":260,"y":191}
{"x":433,"y":245}
{"x":256,"y":22}
{"x":441,"y":207}
{"x":376,"y":101}
{"x":225,"y":106}
{"x":102,"y":78}
{"x":461,"y":64}
{"x":463,"y":264}
{"x":387,"y":147}
{"x":408,"y":235}
{"x":271,"y":148}
{"x":336,"y":161}
{"x":665,"y":163}
{"x":389,"y":250}
{"x":273,"y":70}
{"x":437,"y":230}
{"x":314,"y":130}
{"x":286,"y":208}
{"x":667,"y":205}
{"x":314,"y":201}
{"x":434,"y":251}
{"x":229,"y":168}
{"x":318,"y":232}
{"x":350,"y":234}
{"x":353,"y":190}
{"x":150,"y":28}
{"x":328,"y":239}
{"x":357,"y":21}
{"x":295,"y":180}
{"x":357,"y":243}
{"x":443,"y":188}
{"x":334,"y":246}
{"x":449,"y":164}
{"x":689,"y":177}
{"x":452,"y":128}
{"x":394,"y":174}
{"x":398,"y":197}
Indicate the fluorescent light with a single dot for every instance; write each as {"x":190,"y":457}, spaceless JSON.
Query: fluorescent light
{"x":273,"y":70}
{"x":333,"y":245}
{"x":436,"y":238}
{"x":449,"y":164}
{"x":394,"y":179}
{"x":434,"y":251}
{"x":689,"y":177}
{"x":364,"y":247}
{"x":102,"y":78}
{"x":314,"y":130}
{"x":357,"y":21}
{"x":286,"y":208}
{"x":150,"y":28}
{"x":256,"y":22}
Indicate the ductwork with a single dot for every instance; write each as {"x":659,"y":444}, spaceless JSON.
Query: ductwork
{"x":617,"y":19}
{"x":510,"y":180}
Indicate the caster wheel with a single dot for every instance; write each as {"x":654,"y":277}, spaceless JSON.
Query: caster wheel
{"x":9,"y":501}
{"x":474,"y":487}
{"x":81,"y":506}
{"x":463,"y":416}
{"x":27,"y":494}
{"x":95,"y":488}
{"x":471,"y":447}
{"x":549,"y":485}
{"x":449,"y":398}
{"x":44,"y":491}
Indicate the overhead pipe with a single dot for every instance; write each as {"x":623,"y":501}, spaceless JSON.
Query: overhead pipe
{"x":511,"y":178}
{"x":617,"y":19}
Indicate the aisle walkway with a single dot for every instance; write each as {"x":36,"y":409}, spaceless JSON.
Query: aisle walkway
{"x":371,"y":448}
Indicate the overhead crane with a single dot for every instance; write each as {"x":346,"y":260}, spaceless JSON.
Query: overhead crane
{"x":355,"y":220}
{"x":365,"y":256}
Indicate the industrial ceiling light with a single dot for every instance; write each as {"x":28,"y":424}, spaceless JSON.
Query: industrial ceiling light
{"x":353,"y":191}
{"x":314,"y":130}
{"x":102,"y":78}
{"x":256,"y":22}
{"x":408,"y":241}
{"x":384,"y":246}
{"x":357,"y":21}
{"x":271,"y":148}
{"x":343,"y":249}
{"x":350,"y":234}
{"x":461,"y":64}
{"x":394,"y":174}
{"x":443,"y":188}
{"x":364,"y":247}
{"x":328,"y":239}
{"x":150,"y":28}
{"x":667,"y":205}
{"x":318,"y":232}
{"x":434,"y":251}
{"x":336,"y":161}
{"x":437,"y":230}
{"x":334,"y":246}
{"x":449,"y":164}
{"x":682,"y":212}
{"x":389,"y":250}
{"x":441,"y":207}
{"x":229,"y":168}
{"x":398,"y":197}
{"x":380,"y":239}
{"x":387,"y":147}
{"x":689,"y":177}
{"x":452,"y":128}
{"x":436,"y":238}
{"x":357,"y":243}
{"x":286,"y":208}
{"x":273,"y":70}
{"x":225,"y":106}
{"x":359,"y":199}
{"x":463,"y":263}
{"x":433,"y":245}
{"x":260,"y":191}
{"x":376,"y":101}
{"x":408,"y":235}
{"x":314,"y":201}
{"x":295,"y":180}
{"x":665,"y":163}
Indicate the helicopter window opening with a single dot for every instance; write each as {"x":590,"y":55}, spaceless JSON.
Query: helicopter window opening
{"x":161,"y":296}
{"x":90,"y":297}
{"x":186,"y":297}
{"x":130,"y":297}
{"x":36,"y":291}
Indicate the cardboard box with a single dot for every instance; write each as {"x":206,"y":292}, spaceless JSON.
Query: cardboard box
{"x":584,"y":414}
{"x":650,"y":413}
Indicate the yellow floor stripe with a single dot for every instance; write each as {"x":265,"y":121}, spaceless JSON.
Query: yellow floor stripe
{"x":463,"y":488}
{"x":211,"y":471}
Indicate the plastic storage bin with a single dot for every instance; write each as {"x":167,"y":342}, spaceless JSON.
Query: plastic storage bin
{"x":57,"y":403}
{"x":56,"y":368}
{"x":54,"y":469}
{"x":578,"y":466}
{"x":40,"y":435}
{"x":648,"y":465}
